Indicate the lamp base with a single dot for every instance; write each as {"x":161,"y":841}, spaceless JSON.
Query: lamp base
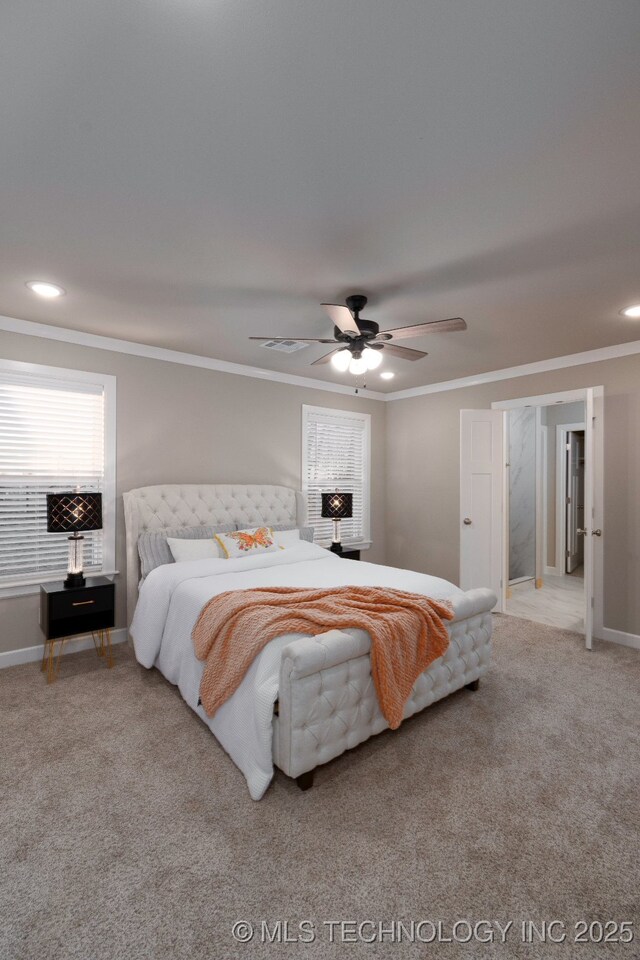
{"x":74,"y":580}
{"x":336,"y":547}
{"x":75,"y":564}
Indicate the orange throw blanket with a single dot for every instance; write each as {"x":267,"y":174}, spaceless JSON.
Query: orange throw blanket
{"x":407,"y":634}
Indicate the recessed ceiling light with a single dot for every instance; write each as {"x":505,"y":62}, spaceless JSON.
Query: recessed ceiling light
{"x":387,"y":375}
{"x":633,"y":311}
{"x":43,"y":289}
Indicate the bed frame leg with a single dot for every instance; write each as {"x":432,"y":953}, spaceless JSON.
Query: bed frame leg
{"x":305,"y":780}
{"x":473,"y":685}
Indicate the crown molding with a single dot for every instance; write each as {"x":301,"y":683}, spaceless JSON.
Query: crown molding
{"x":30,"y":328}
{"x":523,"y":370}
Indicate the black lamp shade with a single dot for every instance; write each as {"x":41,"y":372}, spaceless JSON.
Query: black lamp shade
{"x":337,"y":506}
{"x":74,"y":512}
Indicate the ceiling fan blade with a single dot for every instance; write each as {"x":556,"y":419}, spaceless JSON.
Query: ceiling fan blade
{"x":342,"y":318}
{"x":433,"y":326}
{"x":326,"y":358}
{"x":405,"y":353}
{"x":298,"y":339}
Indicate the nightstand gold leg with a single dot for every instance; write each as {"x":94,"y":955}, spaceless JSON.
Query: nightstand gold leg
{"x":102,"y":643}
{"x":50,"y":670}
{"x":57,"y":659}
{"x":109,"y":649}
{"x":51,"y":662}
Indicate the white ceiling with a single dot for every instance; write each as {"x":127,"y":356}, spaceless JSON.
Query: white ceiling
{"x":196,"y":171}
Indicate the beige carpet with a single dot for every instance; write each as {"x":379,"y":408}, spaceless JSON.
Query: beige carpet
{"x":128,"y":833}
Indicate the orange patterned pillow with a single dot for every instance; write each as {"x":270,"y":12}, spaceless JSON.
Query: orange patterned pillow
{"x":245,"y":543}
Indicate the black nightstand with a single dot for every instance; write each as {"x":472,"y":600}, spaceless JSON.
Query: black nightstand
{"x":65,"y":613}
{"x":350,"y":554}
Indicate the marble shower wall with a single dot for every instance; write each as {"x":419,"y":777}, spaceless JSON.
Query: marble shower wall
{"x":522,"y":493}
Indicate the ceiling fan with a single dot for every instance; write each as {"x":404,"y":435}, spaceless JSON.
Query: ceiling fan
{"x":360,"y":341}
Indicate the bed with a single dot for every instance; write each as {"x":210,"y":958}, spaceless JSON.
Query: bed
{"x":305,"y":700}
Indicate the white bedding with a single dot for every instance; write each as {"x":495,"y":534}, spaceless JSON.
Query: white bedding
{"x":172,"y":597}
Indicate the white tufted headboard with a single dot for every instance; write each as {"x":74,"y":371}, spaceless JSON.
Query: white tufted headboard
{"x":167,"y":506}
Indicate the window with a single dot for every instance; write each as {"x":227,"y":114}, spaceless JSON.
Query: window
{"x":54,"y":436}
{"x":336,"y":453}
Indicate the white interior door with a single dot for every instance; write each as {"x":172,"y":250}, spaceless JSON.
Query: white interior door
{"x":481,"y":500}
{"x":589,"y":516}
{"x":574,"y":466}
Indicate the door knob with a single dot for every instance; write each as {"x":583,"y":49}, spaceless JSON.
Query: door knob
{"x":597,"y":533}
{"x":467,"y":521}
{"x":581,"y":533}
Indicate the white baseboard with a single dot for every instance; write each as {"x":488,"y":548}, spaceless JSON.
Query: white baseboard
{"x":10,"y":658}
{"x":619,"y":636}
{"x":552,"y":572}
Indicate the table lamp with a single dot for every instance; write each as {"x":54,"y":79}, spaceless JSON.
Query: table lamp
{"x":74,"y":513}
{"x":337,"y":506}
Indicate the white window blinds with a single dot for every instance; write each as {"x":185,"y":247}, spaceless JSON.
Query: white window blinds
{"x":336,"y":454}
{"x":51,"y":440}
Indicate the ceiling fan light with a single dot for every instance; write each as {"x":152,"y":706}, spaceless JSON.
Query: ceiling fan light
{"x":341,"y":360}
{"x":372,"y":358}
{"x":357,"y":366}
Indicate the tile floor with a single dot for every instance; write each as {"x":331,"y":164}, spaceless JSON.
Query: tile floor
{"x":558,"y":603}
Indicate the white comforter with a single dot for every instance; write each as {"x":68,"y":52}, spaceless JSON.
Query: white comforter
{"x":172,"y":597}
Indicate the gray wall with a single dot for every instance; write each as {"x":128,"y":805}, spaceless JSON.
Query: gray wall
{"x":185,"y":424}
{"x":423,"y":483}
{"x":522,"y":493}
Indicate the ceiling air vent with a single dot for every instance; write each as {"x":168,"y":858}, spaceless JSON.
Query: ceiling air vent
{"x":286,"y":346}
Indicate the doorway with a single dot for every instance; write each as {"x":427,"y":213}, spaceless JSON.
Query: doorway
{"x":570,"y":507}
{"x":545,"y":502}
{"x":484,"y":504}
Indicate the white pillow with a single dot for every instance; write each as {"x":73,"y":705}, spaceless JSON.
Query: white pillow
{"x":247,"y":543}
{"x":182,"y":550}
{"x":286,"y":538}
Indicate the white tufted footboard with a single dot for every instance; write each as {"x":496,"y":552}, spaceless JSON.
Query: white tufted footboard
{"x":327,"y":700}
